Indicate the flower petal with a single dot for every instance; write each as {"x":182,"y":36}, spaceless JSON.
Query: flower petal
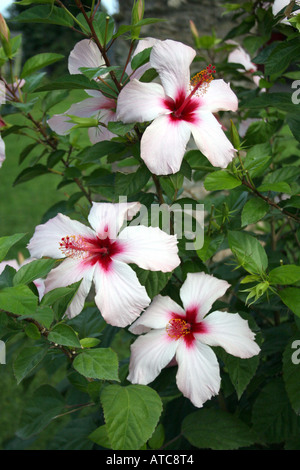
{"x":84,"y":54}
{"x":198,"y":376}
{"x":46,"y":238}
{"x":2,"y":151}
{"x":10,"y":262}
{"x":100,"y":133}
{"x":150,"y":353}
{"x":142,"y":45}
{"x":231,"y":332}
{"x":212,"y":141}
{"x":219,"y":97}
{"x":60,"y":123}
{"x":172,"y":60}
{"x":107,"y":218}
{"x":163,"y":145}
{"x":157,"y":315}
{"x":199,"y":291}
{"x":68,"y":272}
{"x":240,"y":56}
{"x":150,"y":248}
{"x":147,"y":98}
{"x":119,"y":295}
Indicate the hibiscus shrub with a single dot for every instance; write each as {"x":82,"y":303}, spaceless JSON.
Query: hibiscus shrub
{"x":165,"y":288}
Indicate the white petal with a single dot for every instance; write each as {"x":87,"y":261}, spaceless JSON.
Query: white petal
{"x":150,"y":248}
{"x":231,"y":332}
{"x":157,"y":315}
{"x":149,"y":355}
{"x":219,"y":97}
{"x":240,"y":56}
{"x":172,"y":60}
{"x":84,"y":54}
{"x":10,"y":262}
{"x":199,"y":291}
{"x":61,"y":124}
{"x":107,"y":218}
{"x":67,"y":273}
{"x":140,"y":102}
{"x":100,"y":133}
{"x":2,"y":151}
{"x":119,"y":295}
{"x":46,"y":238}
{"x":163,"y":145}
{"x":212,"y":141}
{"x":198,"y":376}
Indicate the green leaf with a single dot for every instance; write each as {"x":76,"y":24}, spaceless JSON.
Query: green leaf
{"x":70,"y":82}
{"x":132,"y":183}
{"x":45,"y":404}
{"x":293,"y":121}
{"x":32,"y":331}
{"x":258,"y":159}
{"x":154,"y":281}
{"x":7,"y":242}
{"x":101,"y":149}
{"x":290,"y":296}
{"x":287,"y":274}
{"x":43,"y":315}
{"x":101,"y":363}
{"x":38,"y":62}
{"x":280,"y":187}
{"x":45,"y":14}
{"x":281,"y":56}
{"x":60,"y":298}
{"x":89,"y":342}
{"x":219,"y":180}
{"x":30,"y":173}
{"x":100,"y":437}
{"x":27,"y":360}
{"x":272,"y":415}
{"x":65,"y":335}
{"x":210,"y":247}
{"x":216,"y":430}
{"x":19,"y":300}
{"x":34,"y":270}
{"x":119,"y":128}
{"x":131,"y":414}
{"x":249,"y":252}
{"x":157,"y":438}
{"x":253,"y":211}
{"x":291,"y":372}
{"x":141,"y":58}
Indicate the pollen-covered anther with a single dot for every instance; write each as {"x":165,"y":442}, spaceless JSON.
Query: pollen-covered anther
{"x":200,"y":82}
{"x":177,"y":327}
{"x":74,"y":246}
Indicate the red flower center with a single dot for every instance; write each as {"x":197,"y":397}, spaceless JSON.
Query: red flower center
{"x":185,"y":327}
{"x":90,"y":250}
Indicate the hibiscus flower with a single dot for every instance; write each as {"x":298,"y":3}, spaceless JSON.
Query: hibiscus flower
{"x":87,"y":54}
{"x":101,"y":254}
{"x":187,"y":334}
{"x":178,"y":108}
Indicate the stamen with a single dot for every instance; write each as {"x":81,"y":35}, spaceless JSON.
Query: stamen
{"x":74,"y":246}
{"x":177,"y":327}
{"x":200,"y":82}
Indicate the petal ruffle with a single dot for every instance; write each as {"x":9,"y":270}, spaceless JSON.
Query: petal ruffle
{"x":149,"y":247}
{"x":140,"y":102}
{"x":231,"y":332}
{"x":150,"y":353}
{"x":163,"y":145}
{"x":172,"y":60}
{"x":119,"y":295}
{"x":199,"y":291}
{"x":46,"y":238}
{"x":157,"y":315}
{"x":84,"y":54}
{"x":198,"y":376}
{"x":107,"y":218}
{"x":212,"y":141}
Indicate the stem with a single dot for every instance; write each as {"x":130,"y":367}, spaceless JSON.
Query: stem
{"x":128,"y":59}
{"x":72,"y":16}
{"x":269,"y":201}
{"x":158,"y":189}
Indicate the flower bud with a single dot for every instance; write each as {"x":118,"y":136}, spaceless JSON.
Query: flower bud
{"x":4,"y":31}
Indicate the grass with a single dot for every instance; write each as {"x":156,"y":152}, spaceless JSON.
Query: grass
{"x":21,"y":209}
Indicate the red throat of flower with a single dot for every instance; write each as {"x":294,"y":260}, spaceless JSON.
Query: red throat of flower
{"x":198,"y":86}
{"x":177,"y":328}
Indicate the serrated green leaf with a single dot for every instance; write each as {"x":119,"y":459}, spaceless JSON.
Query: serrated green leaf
{"x":38,"y":62}
{"x":7,"y":242}
{"x":154,"y":281}
{"x":253,"y":211}
{"x":284,"y":275}
{"x":33,"y":270}
{"x":44,"y":14}
{"x":219,"y":180}
{"x":216,"y":430}
{"x":131,"y":414}
{"x":44,"y":315}
{"x":65,"y":335}
{"x":101,"y":363}
{"x":290,"y":296}
{"x":18,"y":299}
{"x":27,"y":359}
{"x":249,"y":252}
